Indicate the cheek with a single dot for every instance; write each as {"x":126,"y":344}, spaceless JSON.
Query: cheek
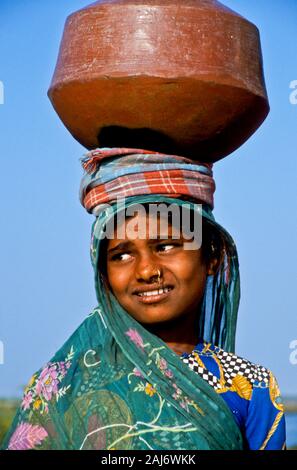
{"x":192,"y":276}
{"x":118,"y":278}
{"x":189,"y":267}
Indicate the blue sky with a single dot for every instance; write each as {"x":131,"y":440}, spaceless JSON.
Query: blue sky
{"x":46,"y":276}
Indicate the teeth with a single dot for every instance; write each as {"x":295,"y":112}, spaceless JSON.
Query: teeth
{"x":154,"y":292}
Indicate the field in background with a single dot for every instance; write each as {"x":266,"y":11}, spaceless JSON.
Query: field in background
{"x":7,"y":412}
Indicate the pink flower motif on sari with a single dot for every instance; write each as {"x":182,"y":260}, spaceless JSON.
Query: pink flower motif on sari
{"x":169,"y":373}
{"x":136,"y":338}
{"x":47,"y":384}
{"x":27,"y":400}
{"x":27,"y":436}
{"x":137,"y":372}
{"x":177,"y":394}
{"x":163,"y":364}
{"x":183,"y":400}
{"x":184,"y":405}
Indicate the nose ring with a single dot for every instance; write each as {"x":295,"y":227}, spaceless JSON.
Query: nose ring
{"x":159,"y":275}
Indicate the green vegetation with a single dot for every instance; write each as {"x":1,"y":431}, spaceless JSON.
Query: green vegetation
{"x":290,"y":405}
{"x":7,"y":411}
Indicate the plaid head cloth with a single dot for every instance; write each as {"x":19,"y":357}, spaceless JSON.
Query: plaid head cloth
{"x":112,"y":173}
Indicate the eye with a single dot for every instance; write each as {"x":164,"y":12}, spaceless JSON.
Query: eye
{"x":118,"y":256}
{"x":163,"y":247}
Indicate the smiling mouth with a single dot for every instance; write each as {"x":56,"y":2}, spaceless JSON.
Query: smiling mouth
{"x":155,"y":295}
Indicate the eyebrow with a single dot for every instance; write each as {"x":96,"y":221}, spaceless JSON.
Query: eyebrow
{"x":128,"y":243}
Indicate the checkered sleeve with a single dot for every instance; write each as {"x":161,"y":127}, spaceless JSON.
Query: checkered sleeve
{"x":250,"y":390}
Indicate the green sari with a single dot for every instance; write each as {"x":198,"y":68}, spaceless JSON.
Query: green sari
{"x":114,"y":385}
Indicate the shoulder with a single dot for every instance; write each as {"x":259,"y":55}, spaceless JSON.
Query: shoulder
{"x":250,"y":390}
{"x":227,"y":370}
{"x":233,"y":366}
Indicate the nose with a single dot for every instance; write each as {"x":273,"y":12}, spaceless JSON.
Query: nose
{"x":147,"y":269}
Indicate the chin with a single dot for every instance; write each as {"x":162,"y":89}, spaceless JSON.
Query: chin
{"x":156,"y":318}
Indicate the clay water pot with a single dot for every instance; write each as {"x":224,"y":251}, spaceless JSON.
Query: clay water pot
{"x":183,"y":77}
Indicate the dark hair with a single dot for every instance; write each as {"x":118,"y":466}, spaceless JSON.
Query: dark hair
{"x":213,"y":243}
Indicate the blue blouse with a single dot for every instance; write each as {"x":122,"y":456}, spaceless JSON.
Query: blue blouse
{"x":251,"y":392}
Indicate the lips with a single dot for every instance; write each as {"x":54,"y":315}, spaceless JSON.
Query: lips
{"x":151,"y":288}
{"x":153,"y":296}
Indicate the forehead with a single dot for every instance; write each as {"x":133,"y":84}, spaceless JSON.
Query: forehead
{"x":145,"y":226}
{"x":148,"y":223}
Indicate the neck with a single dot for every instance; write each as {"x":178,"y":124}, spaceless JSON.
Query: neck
{"x":180,"y":334}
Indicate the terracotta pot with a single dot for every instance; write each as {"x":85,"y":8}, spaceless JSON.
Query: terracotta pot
{"x":177,"y":76}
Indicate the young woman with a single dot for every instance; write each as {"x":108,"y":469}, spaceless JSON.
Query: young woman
{"x":153,"y":366}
